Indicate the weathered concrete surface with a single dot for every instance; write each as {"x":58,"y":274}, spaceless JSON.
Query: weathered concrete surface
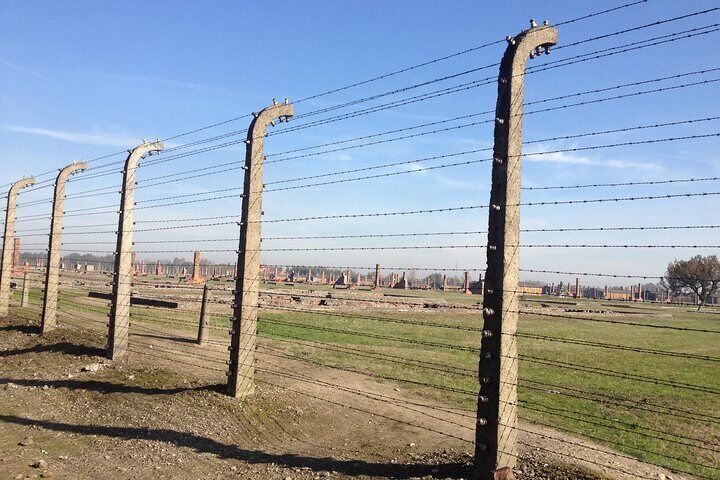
{"x":16,"y":256}
{"x":241,"y":376}
{"x":8,"y":244}
{"x":52,"y":272}
{"x":120,"y":310}
{"x":496,"y":431}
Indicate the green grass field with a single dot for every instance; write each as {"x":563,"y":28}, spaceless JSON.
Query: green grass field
{"x":630,"y":419}
{"x":673,"y":426}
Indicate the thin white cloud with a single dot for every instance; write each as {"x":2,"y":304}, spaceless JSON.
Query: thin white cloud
{"x":83,"y":138}
{"x":161,"y":82}
{"x":464,"y":184}
{"x":414,"y":167}
{"x":567,"y":158}
{"x":24,"y":70}
{"x":157,"y":81}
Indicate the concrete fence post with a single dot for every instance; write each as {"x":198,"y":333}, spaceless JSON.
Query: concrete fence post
{"x":25,"y":291}
{"x":8,"y":244}
{"x":52,"y":273}
{"x":496,"y":428}
{"x":122,"y":280}
{"x":243,"y":336}
{"x":203,"y":326}
{"x":376,"y":286}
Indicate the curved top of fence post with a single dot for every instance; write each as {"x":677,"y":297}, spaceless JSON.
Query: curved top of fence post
{"x":19,"y":185}
{"x":69,"y":170}
{"x":140,"y":151}
{"x":528,"y":44}
{"x":258,"y":127}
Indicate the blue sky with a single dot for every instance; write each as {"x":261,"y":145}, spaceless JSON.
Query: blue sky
{"x":86,"y":79}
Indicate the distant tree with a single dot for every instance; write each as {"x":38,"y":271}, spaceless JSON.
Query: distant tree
{"x":699,"y":275}
{"x":435,"y":279}
{"x":412,"y":276}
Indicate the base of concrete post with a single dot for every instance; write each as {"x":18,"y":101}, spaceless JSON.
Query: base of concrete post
{"x":505,"y":473}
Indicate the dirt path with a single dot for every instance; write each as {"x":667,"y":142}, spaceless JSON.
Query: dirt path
{"x":161,"y":413}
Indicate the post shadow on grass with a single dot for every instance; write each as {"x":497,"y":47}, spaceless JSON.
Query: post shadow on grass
{"x":20,"y":328}
{"x":224,"y":451}
{"x":165,"y":337}
{"x":66,"y":348}
{"x":102,"y":386}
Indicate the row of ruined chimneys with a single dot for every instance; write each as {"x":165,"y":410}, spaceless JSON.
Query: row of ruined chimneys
{"x":636,"y":292}
{"x":199,"y":272}
{"x":393,"y":280}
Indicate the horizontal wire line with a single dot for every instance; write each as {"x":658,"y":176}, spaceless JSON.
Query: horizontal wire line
{"x":404,"y":380}
{"x":574,"y":149}
{"x":571,"y":389}
{"x":564,"y":137}
{"x":462,"y":52}
{"x":562,"y":97}
{"x":378,"y":235}
{"x":416,"y":267}
{"x":411,"y":247}
{"x":372,"y":267}
{"x":592,"y":15}
{"x":521,"y":335}
{"x":529,"y":112}
{"x":530,"y":358}
{"x":593,"y":56}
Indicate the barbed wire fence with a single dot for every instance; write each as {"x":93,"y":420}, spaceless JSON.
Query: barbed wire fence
{"x":287,"y":310}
